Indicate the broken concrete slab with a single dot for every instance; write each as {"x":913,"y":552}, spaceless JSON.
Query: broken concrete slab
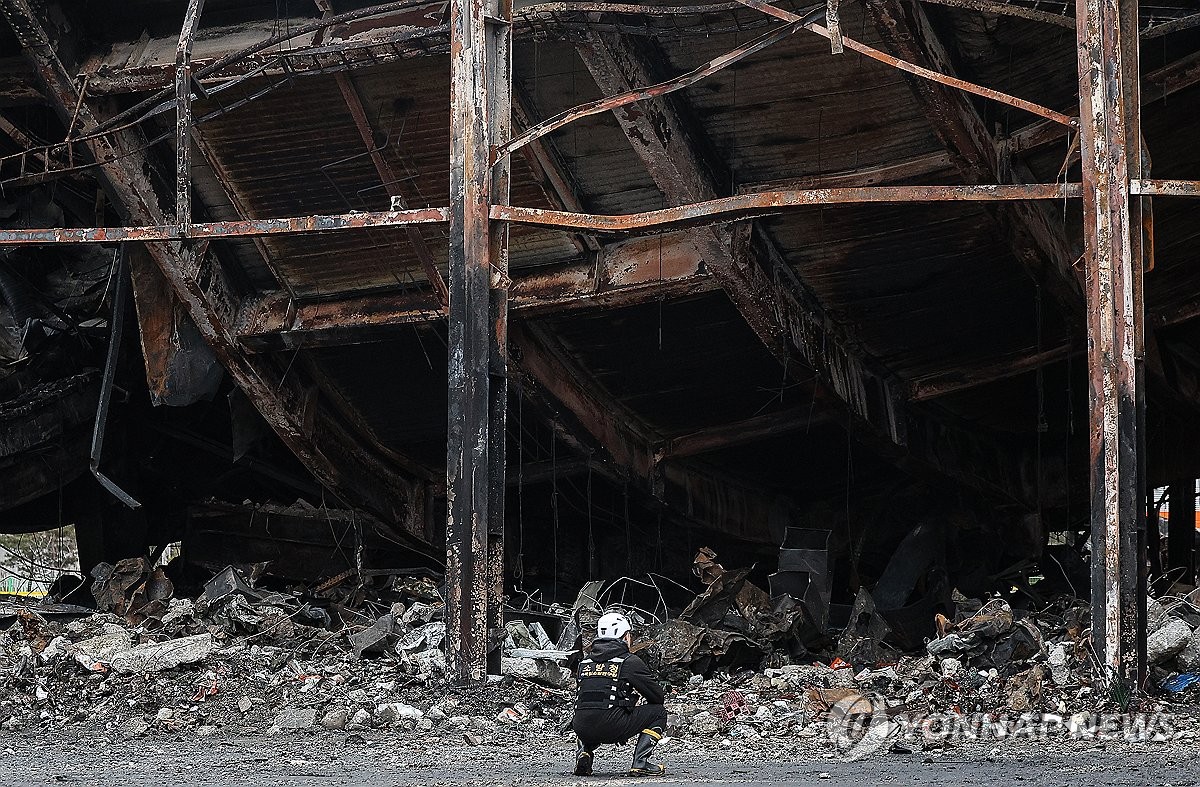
{"x":96,"y":651}
{"x":538,"y":670}
{"x":159,"y":656}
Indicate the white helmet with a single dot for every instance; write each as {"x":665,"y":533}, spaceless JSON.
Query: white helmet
{"x":612,"y":625}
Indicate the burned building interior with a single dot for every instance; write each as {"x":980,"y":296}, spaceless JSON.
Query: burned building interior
{"x":524,"y":296}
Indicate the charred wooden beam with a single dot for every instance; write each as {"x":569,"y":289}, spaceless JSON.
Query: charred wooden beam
{"x":634,"y":271}
{"x":915,"y":168}
{"x":337,"y":458}
{"x":785,"y":315}
{"x":1030,"y":230}
{"x":545,"y":365}
{"x":1110,"y":141}
{"x":749,"y":430}
{"x":962,"y":378}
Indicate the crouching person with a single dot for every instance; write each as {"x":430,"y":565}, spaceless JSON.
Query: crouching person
{"x":607,"y":711}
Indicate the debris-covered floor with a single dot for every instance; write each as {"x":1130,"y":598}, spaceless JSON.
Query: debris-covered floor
{"x":312,"y":683}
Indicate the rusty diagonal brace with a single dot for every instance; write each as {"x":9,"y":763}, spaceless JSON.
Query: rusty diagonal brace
{"x":795,"y":22}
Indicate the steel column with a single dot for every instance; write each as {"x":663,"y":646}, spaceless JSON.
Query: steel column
{"x":183,"y":116}
{"x":1181,"y":532}
{"x":480,"y":118}
{"x":1111,"y":157}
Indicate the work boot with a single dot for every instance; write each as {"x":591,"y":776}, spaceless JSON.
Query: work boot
{"x":641,"y":754}
{"x":583,"y":761}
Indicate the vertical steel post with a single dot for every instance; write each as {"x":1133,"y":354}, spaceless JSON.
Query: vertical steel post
{"x":1181,"y":532}
{"x":1111,"y":155}
{"x":183,"y":116}
{"x":478,"y":330}
{"x":499,"y":65}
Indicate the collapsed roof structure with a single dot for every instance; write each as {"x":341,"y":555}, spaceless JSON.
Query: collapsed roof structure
{"x":537,"y":291}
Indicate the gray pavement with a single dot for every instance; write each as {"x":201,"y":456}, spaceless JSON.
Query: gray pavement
{"x":378,"y":759}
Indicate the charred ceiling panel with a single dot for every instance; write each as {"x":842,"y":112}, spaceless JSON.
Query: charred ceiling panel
{"x":609,"y":175}
{"x":795,"y":110}
{"x":926,"y":287}
{"x":680,"y":365}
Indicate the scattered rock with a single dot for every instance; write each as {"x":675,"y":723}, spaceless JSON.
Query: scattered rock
{"x":336,"y":719}
{"x":1167,"y":641}
{"x":296,"y":718}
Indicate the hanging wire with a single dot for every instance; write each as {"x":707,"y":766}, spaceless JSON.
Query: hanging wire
{"x":1039,"y":375}
{"x":628,"y":542}
{"x":591,"y":532}
{"x":519,"y":568}
{"x":554,"y":513}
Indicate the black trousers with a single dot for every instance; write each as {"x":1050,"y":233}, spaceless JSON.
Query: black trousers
{"x":616,"y":725}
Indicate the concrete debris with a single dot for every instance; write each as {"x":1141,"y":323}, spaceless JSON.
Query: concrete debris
{"x":296,"y":718}
{"x":159,"y":656}
{"x":541,"y":671}
{"x":93,"y":653}
{"x":1167,"y":641}
{"x":336,"y":719}
{"x":247,"y":660}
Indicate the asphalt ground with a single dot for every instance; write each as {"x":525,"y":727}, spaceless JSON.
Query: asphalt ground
{"x":376,"y":759}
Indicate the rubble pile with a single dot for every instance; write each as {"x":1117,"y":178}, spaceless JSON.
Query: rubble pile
{"x":743,"y":668}
{"x":244,"y":659}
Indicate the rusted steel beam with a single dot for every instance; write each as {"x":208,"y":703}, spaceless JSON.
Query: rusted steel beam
{"x":723,"y":209}
{"x":776,"y":305}
{"x":939,"y":75}
{"x":391,"y":183}
{"x":1150,"y":187}
{"x":1032,"y":232}
{"x":480,"y":111}
{"x":1111,"y":157}
{"x":219,"y":230}
{"x":344,"y":462}
{"x":768,"y":203}
{"x":183,"y":115}
{"x":632,"y":271}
